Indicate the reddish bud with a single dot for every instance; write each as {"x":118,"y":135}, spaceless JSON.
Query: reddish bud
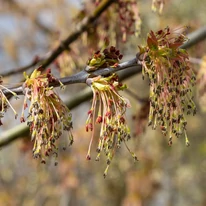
{"x":25,"y":105}
{"x":43,"y":161}
{"x":120,"y":56}
{"x":87,"y":129}
{"x":122,"y":120}
{"x":99,"y":119}
{"x":88,"y":157}
{"x":22,"y":119}
{"x":90,"y":112}
{"x":115,"y":65}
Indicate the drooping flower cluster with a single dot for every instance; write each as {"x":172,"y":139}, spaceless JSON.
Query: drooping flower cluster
{"x":108,"y":58}
{"x":108,"y":109}
{"x":4,"y":102}
{"x":171,"y":80}
{"x":130,"y":21}
{"x":47,"y":117}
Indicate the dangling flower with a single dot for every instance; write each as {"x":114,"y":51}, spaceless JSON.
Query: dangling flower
{"x":48,"y":116}
{"x":171,"y":81}
{"x":4,"y":102}
{"x":108,"y":109}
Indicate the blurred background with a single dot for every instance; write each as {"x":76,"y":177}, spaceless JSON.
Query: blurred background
{"x":163,"y":175}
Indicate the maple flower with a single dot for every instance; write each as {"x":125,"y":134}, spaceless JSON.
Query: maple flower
{"x":171,"y":81}
{"x":47,"y":117}
{"x":4,"y":102}
{"x":109,"y":57}
{"x":108,"y":109}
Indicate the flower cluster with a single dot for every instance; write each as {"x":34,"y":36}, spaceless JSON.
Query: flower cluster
{"x":108,"y":109}
{"x":130,"y":21}
{"x":4,"y":102}
{"x":108,"y":58}
{"x":47,"y":117}
{"x":171,"y":81}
